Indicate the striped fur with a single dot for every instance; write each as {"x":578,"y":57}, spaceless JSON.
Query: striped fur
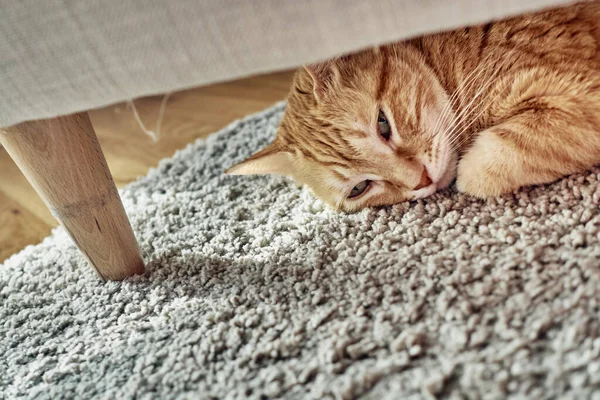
{"x":497,"y":106}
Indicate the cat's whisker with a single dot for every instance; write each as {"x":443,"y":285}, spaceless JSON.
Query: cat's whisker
{"x":458,"y":139}
{"x":463,"y":114}
{"x":465,"y":139}
{"x":445,"y":111}
{"x":469,"y":80}
{"x":455,"y":134}
{"x":466,"y":85}
{"x":444,"y":140}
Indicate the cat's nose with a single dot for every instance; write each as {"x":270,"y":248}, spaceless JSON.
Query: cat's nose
{"x":425,"y":180}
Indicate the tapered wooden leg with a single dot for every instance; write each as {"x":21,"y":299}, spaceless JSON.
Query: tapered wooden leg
{"x":62,"y":159}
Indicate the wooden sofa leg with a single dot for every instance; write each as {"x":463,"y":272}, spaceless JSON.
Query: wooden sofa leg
{"x":62,"y":159}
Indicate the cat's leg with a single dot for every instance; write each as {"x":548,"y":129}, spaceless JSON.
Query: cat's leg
{"x":528,"y":150}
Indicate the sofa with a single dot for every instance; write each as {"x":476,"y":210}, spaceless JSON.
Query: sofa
{"x":60,"y":58}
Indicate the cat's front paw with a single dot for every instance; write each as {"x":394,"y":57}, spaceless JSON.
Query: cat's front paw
{"x":477,"y":183}
{"x":483,"y":171}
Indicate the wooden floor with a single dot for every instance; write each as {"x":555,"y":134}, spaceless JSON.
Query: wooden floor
{"x":189,"y":115}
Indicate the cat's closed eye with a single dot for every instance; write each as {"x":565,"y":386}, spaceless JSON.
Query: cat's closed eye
{"x":383,"y":126}
{"x":359,"y":189}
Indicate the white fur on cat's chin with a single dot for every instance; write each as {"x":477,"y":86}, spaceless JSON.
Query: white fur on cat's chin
{"x":448,"y":177}
{"x":448,"y":171}
{"x":443,"y":172}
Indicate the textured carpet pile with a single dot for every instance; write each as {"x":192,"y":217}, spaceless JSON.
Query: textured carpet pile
{"x":256,"y":290}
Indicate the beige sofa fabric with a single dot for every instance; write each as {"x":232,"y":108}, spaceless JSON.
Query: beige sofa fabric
{"x":63,"y":56}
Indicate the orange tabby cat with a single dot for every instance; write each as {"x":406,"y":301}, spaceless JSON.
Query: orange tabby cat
{"x":497,"y":107}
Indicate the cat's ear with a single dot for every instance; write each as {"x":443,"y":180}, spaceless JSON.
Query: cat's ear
{"x":270,"y":160}
{"x":321,"y":74}
{"x":326,"y":75}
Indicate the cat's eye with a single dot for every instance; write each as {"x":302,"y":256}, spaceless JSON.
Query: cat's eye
{"x":383,"y":126}
{"x":359,"y":189}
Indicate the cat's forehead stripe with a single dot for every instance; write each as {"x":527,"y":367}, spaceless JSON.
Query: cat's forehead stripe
{"x":418,"y":105}
{"x":341,"y":177}
{"x":383,"y":75}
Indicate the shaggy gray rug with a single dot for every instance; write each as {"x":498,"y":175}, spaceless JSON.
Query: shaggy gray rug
{"x":256,"y":290}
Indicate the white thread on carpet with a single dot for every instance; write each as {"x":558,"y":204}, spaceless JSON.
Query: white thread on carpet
{"x":256,"y":290}
{"x":155,"y":134}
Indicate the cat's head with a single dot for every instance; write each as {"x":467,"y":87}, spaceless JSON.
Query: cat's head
{"x":363,"y":130}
